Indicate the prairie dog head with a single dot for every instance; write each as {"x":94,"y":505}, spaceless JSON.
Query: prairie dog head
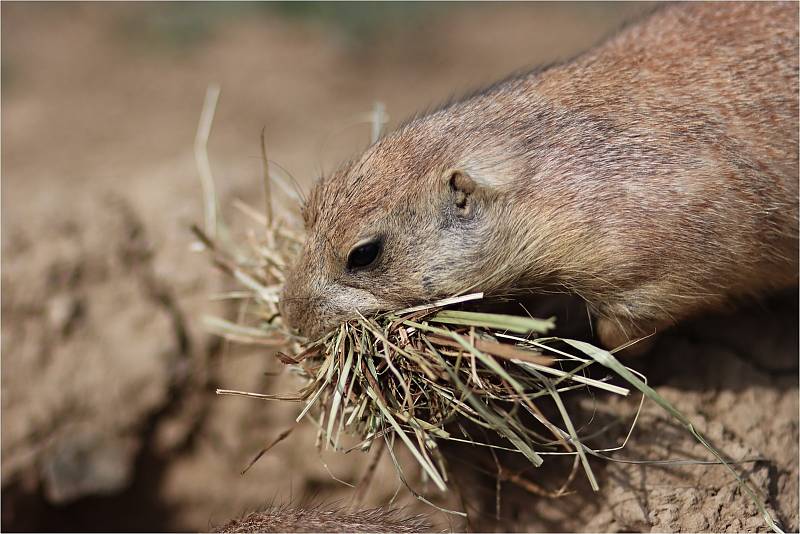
{"x":408,"y":222}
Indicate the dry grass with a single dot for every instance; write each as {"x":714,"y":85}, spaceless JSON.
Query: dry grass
{"x":406,"y":375}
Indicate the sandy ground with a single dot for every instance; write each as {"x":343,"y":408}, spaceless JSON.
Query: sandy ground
{"x":109,"y":418}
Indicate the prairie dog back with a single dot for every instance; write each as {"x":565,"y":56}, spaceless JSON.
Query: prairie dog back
{"x":316,"y":519}
{"x":655,"y":176}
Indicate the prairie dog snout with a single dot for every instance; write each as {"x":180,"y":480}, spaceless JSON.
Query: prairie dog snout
{"x":655,"y":176}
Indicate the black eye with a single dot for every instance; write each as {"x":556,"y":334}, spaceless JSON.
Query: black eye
{"x":364,"y":254}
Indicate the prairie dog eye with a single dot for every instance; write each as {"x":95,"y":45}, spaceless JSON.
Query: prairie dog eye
{"x":364,"y":254}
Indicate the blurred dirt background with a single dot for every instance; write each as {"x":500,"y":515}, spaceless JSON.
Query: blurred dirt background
{"x":109,"y":417}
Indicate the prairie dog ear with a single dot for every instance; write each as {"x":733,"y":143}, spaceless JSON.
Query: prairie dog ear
{"x":461,"y":185}
{"x":489,"y":175}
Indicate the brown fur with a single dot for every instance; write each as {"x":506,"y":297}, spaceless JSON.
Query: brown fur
{"x":655,"y":176}
{"x":313,"y":519}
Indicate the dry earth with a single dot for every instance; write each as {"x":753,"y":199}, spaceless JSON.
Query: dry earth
{"x":109,"y":420}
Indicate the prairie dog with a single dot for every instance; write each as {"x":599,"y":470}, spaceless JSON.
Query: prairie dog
{"x":655,"y":176}
{"x":316,"y":519}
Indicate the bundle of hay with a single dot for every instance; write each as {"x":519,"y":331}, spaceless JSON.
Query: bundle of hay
{"x":407,"y":374}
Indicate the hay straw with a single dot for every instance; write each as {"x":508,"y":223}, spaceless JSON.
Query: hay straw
{"x":202,"y":161}
{"x":409,"y":374}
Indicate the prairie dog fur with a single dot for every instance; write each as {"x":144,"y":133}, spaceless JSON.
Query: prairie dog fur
{"x":316,"y":519}
{"x":655,"y":176}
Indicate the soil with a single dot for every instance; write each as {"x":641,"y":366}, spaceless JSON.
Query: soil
{"x":110,"y":421}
